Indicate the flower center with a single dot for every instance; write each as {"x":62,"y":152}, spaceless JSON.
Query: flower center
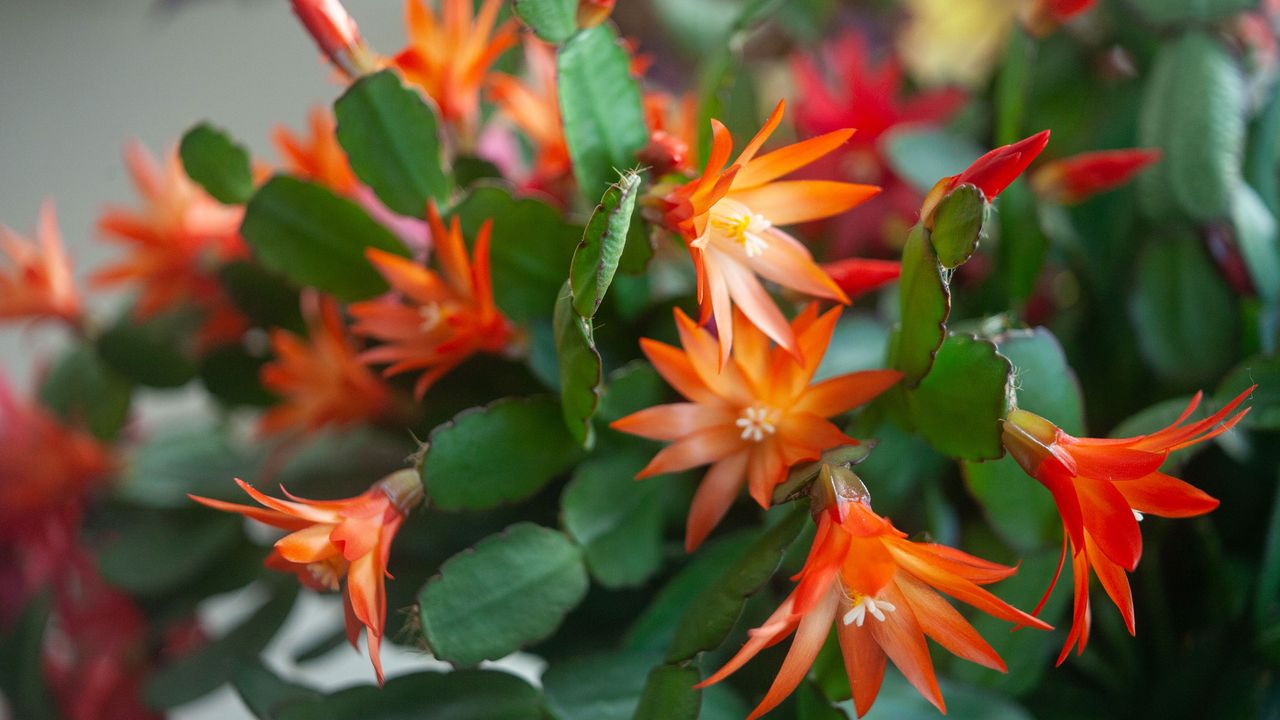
{"x":864,"y":605}
{"x":733,"y":221}
{"x":757,"y":422}
{"x":431,"y":317}
{"x":326,"y":573}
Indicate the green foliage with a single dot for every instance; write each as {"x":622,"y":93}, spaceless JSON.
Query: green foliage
{"x":264,"y":296}
{"x":669,"y":694}
{"x":81,"y":389}
{"x":600,"y":108}
{"x":315,"y":238}
{"x":162,"y":470}
{"x":924,"y":302}
{"x":150,"y":352}
{"x":959,"y":405}
{"x":157,"y":557}
{"x":231,"y":374}
{"x":390,"y":136}
{"x":957,"y":225}
{"x":510,"y":591}
{"x":219,"y":164}
{"x":502,"y":452}
{"x":457,"y":695}
{"x":581,"y":371}
{"x":531,"y":249}
{"x":21,"y":676}
{"x":1182,"y":12}
{"x":602,"y":686}
{"x":551,"y":20}
{"x":603,"y":243}
{"x":1263,"y":371}
{"x":616,"y":519}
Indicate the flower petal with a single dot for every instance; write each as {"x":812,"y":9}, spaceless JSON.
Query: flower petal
{"x":698,"y":449}
{"x":674,"y":421}
{"x":795,"y":201}
{"x":864,"y":663}
{"x":946,"y":626}
{"x":715,"y":495}
{"x":1109,"y":519}
{"x":308,"y":545}
{"x":845,"y":392}
{"x":1160,"y":494}
{"x":812,"y":632}
{"x":903,"y":641}
{"x":774,"y":165}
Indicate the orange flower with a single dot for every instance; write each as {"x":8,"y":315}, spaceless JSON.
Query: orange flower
{"x":730,"y":220}
{"x":321,"y":379}
{"x":45,"y":466}
{"x":1077,"y":178}
{"x":753,"y":418}
{"x":673,"y":132}
{"x":317,"y":157}
{"x":40,"y":284}
{"x":885,"y":591}
{"x":176,"y":240}
{"x":337,"y":35}
{"x":448,"y":57}
{"x":444,"y":318}
{"x":991,"y":173}
{"x":1103,"y":487}
{"x":332,"y":539}
{"x":533,"y":107}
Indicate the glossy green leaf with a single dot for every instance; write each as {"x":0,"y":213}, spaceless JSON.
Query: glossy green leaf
{"x":1264,"y":372}
{"x":959,"y":405}
{"x":1183,"y":313}
{"x":499,"y":453}
{"x":898,"y":700}
{"x":596,"y":259}
{"x":231,"y":374}
{"x":457,"y":695}
{"x":581,"y":371}
{"x":711,"y":615}
{"x":315,"y":238}
{"x":217,"y":163}
{"x":82,"y":390}
{"x":151,"y":352}
{"x":21,"y":665}
{"x":631,"y":388}
{"x":513,"y":589}
{"x":1018,"y":507}
{"x":151,"y":558}
{"x":600,"y":108}
{"x":551,"y":20}
{"x":162,"y":469}
{"x":924,"y":303}
{"x":207,"y":668}
{"x":669,"y":694}
{"x":1021,"y":254}
{"x":391,"y":136}
{"x":603,"y":686}
{"x":1257,"y":237}
{"x":264,"y":296}
{"x":957,"y":225}
{"x":531,"y":249}
{"x":1183,"y":12}
{"x":615,"y":518}
{"x":268,"y":696}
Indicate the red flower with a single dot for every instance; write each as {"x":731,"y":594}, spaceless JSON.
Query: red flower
{"x":40,"y":284}
{"x":1103,"y":487}
{"x":856,"y":276}
{"x":1042,"y":17}
{"x":336,"y":33}
{"x":991,"y":173}
{"x":317,"y":157}
{"x":332,"y":539}
{"x":321,"y":378}
{"x":444,"y":318}
{"x":1080,"y":177}
{"x":886,"y":592}
{"x":751,"y":419}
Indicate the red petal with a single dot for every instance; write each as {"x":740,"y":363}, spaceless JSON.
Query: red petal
{"x":864,"y":662}
{"x":1109,"y":519}
{"x":856,"y":276}
{"x":715,"y":495}
{"x":903,"y":641}
{"x":993,"y":172}
{"x":1160,"y":494}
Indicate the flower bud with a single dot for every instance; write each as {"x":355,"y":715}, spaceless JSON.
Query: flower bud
{"x":665,"y":153}
{"x":593,"y":12}
{"x":335,"y":31}
{"x":1028,"y":437}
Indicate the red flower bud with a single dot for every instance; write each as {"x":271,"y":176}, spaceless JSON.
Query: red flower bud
{"x":856,"y":276}
{"x":665,"y":153}
{"x":335,"y":31}
{"x":991,"y":173}
{"x":1079,"y":177}
{"x":593,"y":12}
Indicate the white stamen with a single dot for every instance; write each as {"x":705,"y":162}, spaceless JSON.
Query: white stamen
{"x":757,"y":422}
{"x":865,"y":604}
{"x":324,"y":573}
{"x":735,"y":222}
{"x":431,"y":317}
{"x":1137,"y":515}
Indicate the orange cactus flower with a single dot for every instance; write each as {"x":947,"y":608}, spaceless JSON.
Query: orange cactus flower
{"x":39,"y":284}
{"x":884,"y":595}
{"x":731,"y":217}
{"x":337,"y":35}
{"x":673,"y":132}
{"x":321,"y":379}
{"x":45,"y":466}
{"x":449,"y":56}
{"x":176,"y":239}
{"x":751,"y":419}
{"x":991,"y":173}
{"x":534,"y":108}
{"x":443,"y":318}
{"x":332,"y":539}
{"x":317,"y":157}
{"x":1077,"y":178}
{"x":1103,"y":487}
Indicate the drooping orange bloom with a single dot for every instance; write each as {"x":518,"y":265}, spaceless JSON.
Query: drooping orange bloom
{"x":332,"y":539}
{"x":317,"y":157}
{"x":176,"y":241}
{"x":991,"y":173}
{"x":1103,"y":487}
{"x":751,"y":419}
{"x":336,"y":34}
{"x":449,"y":56}
{"x":1077,"y":178}
{"x":441,"y":318}
{"x":673,"y":132}
{"x":46,"y":467}
{"x":39,"y":284}
{"x":534,"y":108}
{"x":867,"y":93}
{"x":884,"y":594}
{"x":320,"y":379}
{"x":730,"y":218}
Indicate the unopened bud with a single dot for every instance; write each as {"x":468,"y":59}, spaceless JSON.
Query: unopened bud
{"x":665,"y":153}
{"x":593,"y":12}
{"x":404,"y":487}
{"x":1027,"y":437}
{"x":336,"y":33}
